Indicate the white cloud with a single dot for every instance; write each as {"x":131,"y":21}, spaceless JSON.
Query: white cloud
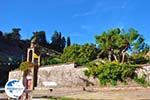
{"x":90,"y":12}
{"x":104,"y":6}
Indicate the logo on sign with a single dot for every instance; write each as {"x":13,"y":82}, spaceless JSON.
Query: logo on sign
{"x":14,"y":88}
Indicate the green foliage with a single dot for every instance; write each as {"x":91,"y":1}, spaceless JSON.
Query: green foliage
{"x":14,"y":35}
{"x":81,"y":54}
{"x":40,"y":37}
{"x":24,"y":66}
{"x":51,"y":60}
{"x":110,"y":72}
{"x":68,"y":41}
{"x":70,"y":53}
{"x":58,"y":42}
{"x":139,"y":59}
{"x":142,"y":81}
{"x":116,"y":44}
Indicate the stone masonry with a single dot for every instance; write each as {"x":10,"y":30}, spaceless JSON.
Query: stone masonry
{"x":143,"y":71}
{"x":17,"y":74}
{"x":65,"y":75}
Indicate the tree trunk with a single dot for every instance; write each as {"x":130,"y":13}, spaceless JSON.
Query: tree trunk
{"x":123,"y":54}
{"x":109,"y":55}
{"x":123,"y":57}
{"x":115,"y":58}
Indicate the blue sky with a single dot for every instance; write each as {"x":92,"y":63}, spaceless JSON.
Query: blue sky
{"x":79,"y":19}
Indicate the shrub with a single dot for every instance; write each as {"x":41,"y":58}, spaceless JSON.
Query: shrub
{"x":51,"y":60}
{"x":80,"y":54}
{"x":26,"y":66}
{"x":142,"y":81}
{"x":139,"y":59}
{"x":110,"y":72}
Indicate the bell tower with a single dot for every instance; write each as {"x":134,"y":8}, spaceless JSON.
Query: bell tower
{"x":32,"y":56}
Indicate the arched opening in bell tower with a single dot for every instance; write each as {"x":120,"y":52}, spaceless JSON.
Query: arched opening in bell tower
{"x":30,"y":55}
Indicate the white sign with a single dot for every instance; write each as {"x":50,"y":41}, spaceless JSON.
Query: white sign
{"x":49,"y":84}
{"x":14,"y":88}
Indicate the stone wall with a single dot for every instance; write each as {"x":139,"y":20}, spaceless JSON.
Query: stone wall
{"x":65,"y":75}
{"x":144,"y":70}
{"x":16,"y":74}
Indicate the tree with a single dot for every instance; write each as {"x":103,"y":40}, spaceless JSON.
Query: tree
{"x":1,"y":34}
{"x":108,"y":42}
{"x":63,"y":43}
{"x":40,"y":37}
{"x":56,"y":37}
{"x":14,"y":35}
{"x":58,"y":41}
{"x":70,"y":53}
{"x":117,"y":44}
{"x":80,"y":54}
{"x":68,"y":41}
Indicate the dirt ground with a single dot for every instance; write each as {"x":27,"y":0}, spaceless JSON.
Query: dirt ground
{"x":141,"y":94}
{"x":100,"y":94}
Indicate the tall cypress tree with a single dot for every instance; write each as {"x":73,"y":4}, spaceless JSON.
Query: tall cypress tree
{"x":68,"y":41}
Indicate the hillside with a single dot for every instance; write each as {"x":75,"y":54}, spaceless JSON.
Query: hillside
{"x":13,"y":52}
{"x":13,"y":49}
